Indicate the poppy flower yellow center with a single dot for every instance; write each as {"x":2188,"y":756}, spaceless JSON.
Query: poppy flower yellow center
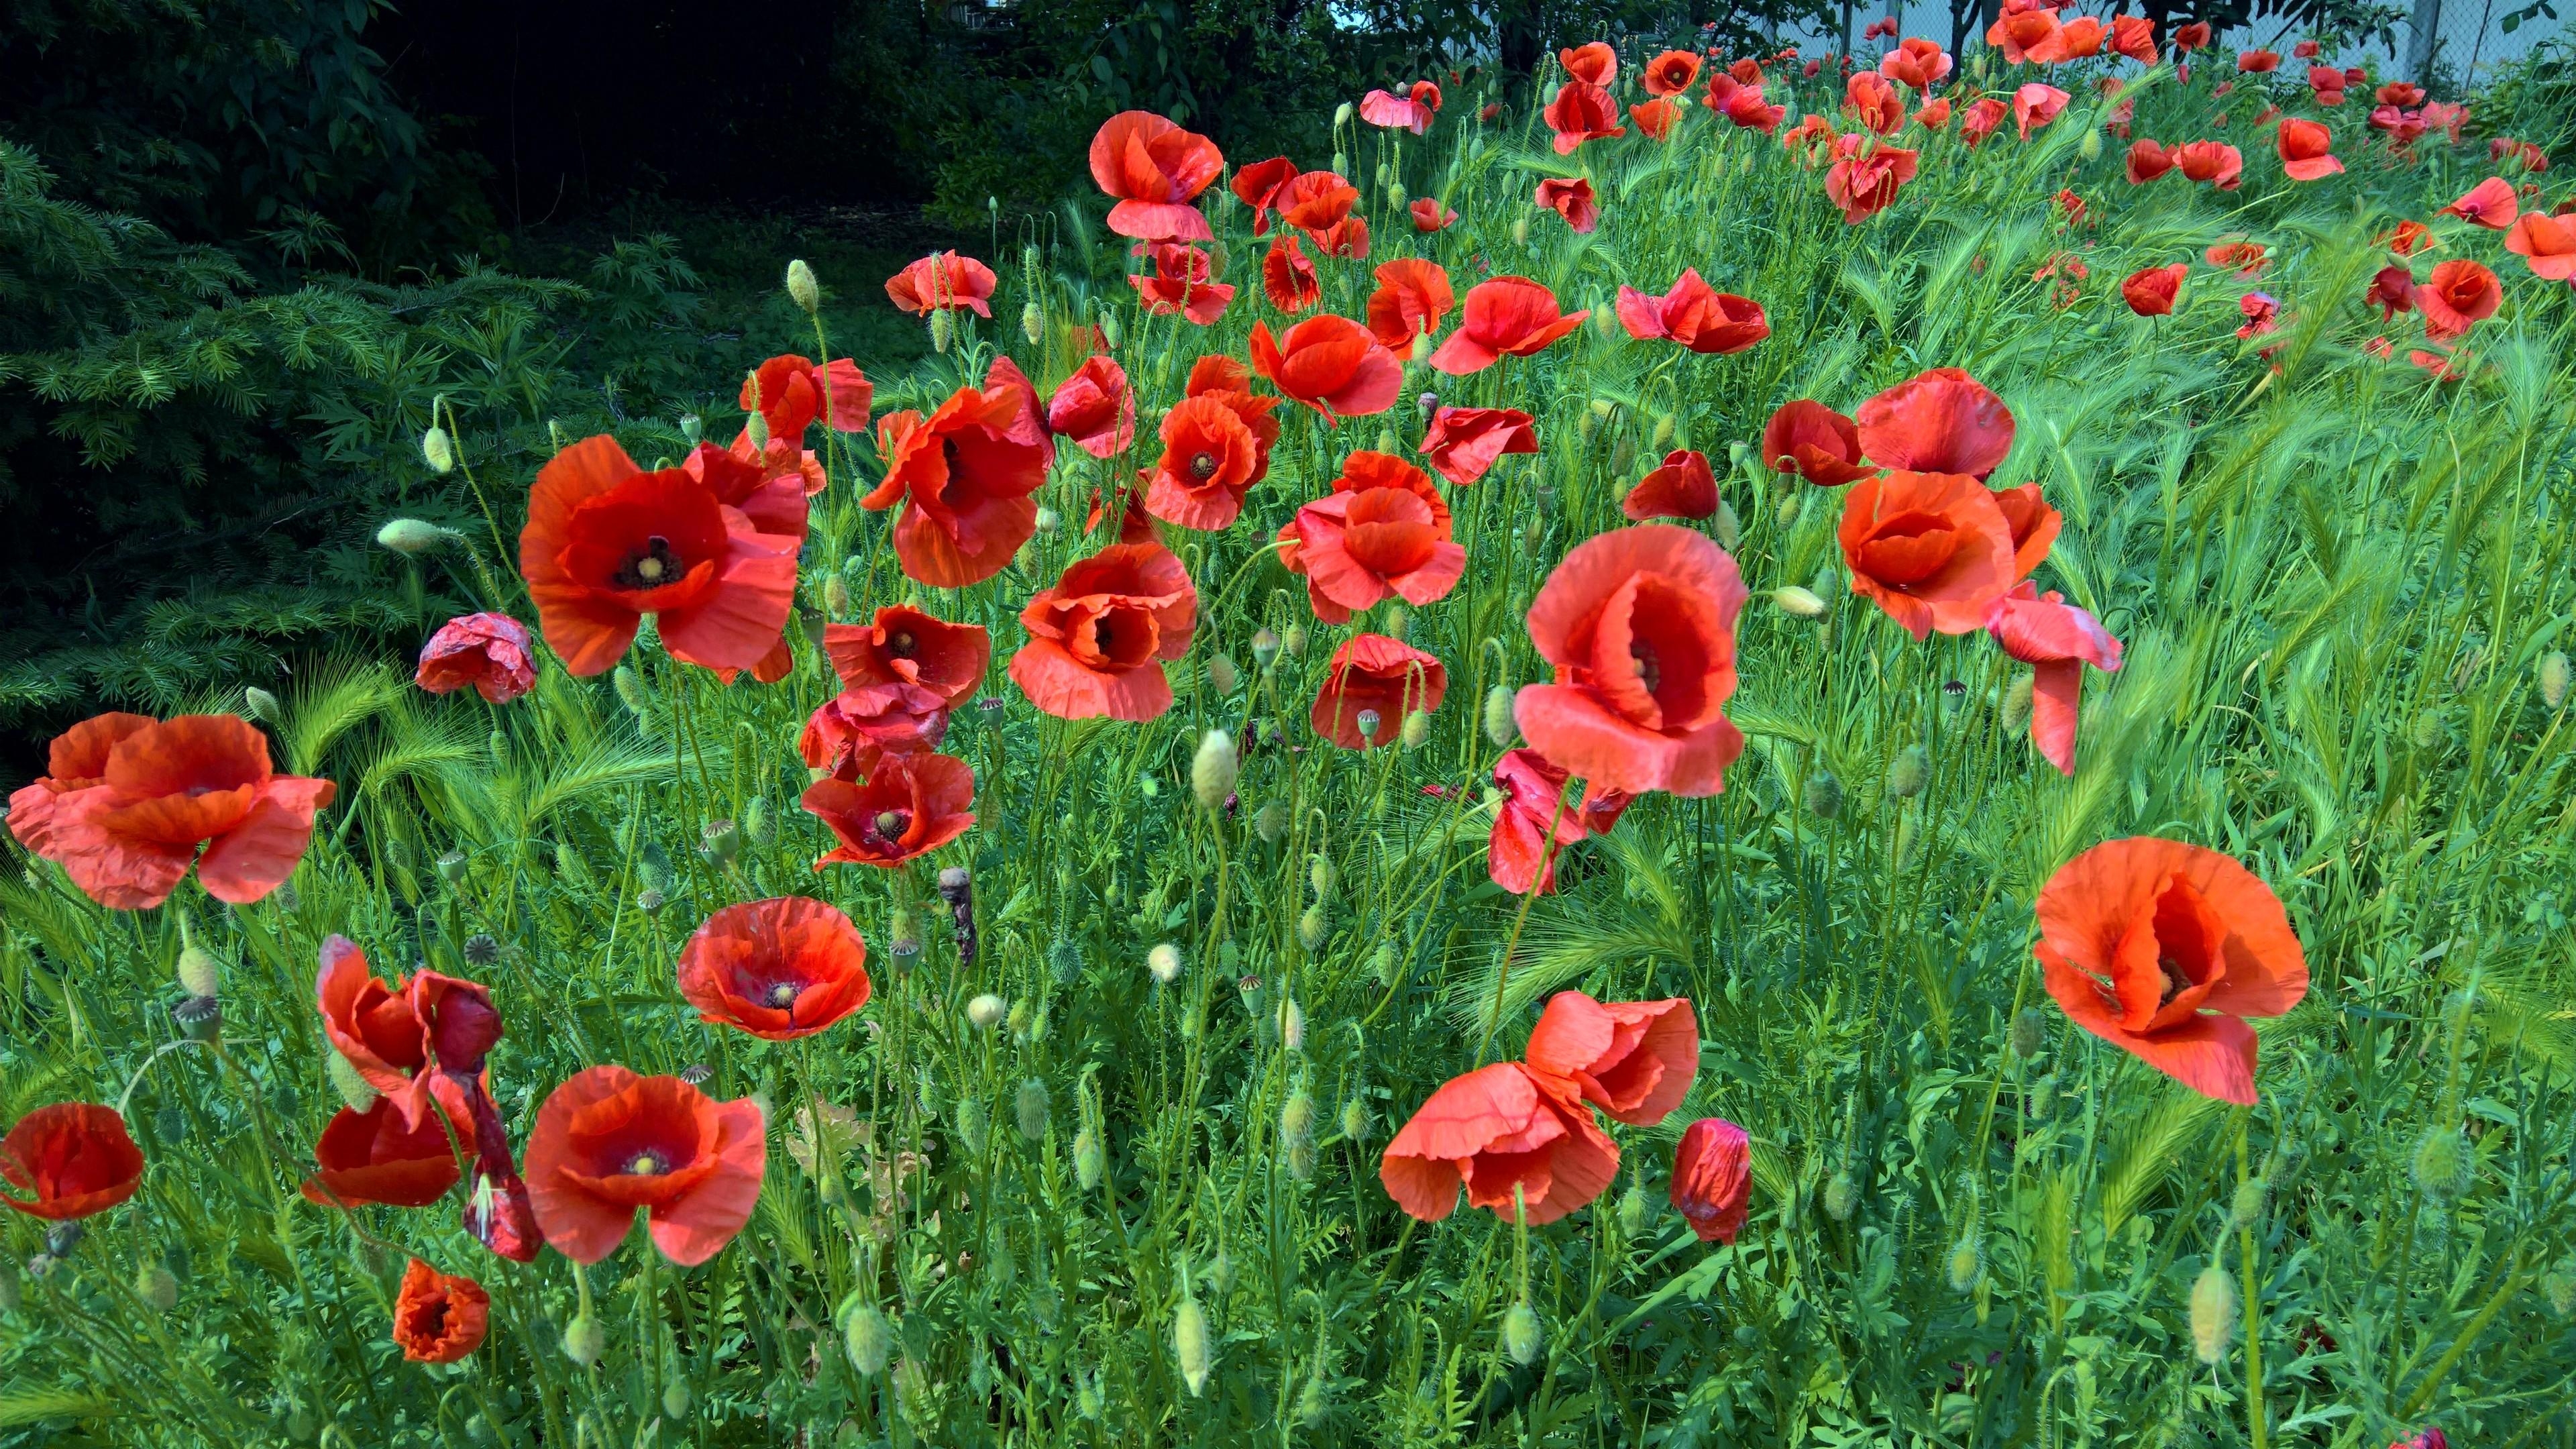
{"x":782,"y":995}
{"x":889,"y":824}
{"x":1203,"y":466}
{"x":647,"y":1164}
{"x":651,"y":566}
{"x":902,"y":645}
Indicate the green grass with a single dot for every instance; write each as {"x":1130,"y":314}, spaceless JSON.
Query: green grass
{"x":2336,"y":583}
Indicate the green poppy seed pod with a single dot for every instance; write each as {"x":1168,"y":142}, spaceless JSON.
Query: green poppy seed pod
{"x":450,"y":866}
{"x":1090,"y":1159}
{"x":722,"y":840}
{"x":1214,"y":770}
{"x":1314,"y":928}
{"x":1029,"y":1106}
{"x":2553,"y":678}
{"x":1355,"y":1119}
{"x":354,"y":1089}
{"x":1730,"y":530}
{"x":1417,"y":730}
{"x":1293,"y":643}
{"x":2213,"y":1313}
{"x":676,"y":1398}
{"x":868,"y":1339}
{"x":1967,"y":1263}
{"x":971,"y":1124}
{"x":1222,"y":676}
{"x":1190,"y":1344}
{"x":1910,"y":771}
{"x":802,"y":288}
{"x":1265,"y":646}
{"x":692,"y":428}
{"x":2441,"y":1166}
{"x":1635,"y":1213}
{"x":1270,"y":822}
{"x":1842,"y":1195}
{"x":1523,"y":1337}
{"x":584,"y":1340}
{"x":1321,"y":876}
{"x":1520,"y":231}
{"x":199,"y":974}
{"x":942,"y":331}
{"x":1500,"y":726}
{"x":2017,"y":703}
{"x":408,"y":536}
{"x":2029,"y":1032}
{"x":1312,"y":1404}
{"x":1798,"y":603}
{"x":1824,"y":796}
{"x":986,"y":1011}
{"x":1384,"y":963}
{"x":2246,"y":1208}
{"x":157,"y":1286}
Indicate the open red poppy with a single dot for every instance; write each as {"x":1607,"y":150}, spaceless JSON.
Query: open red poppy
{"x":1314,"y":201}
{"x":1683,"y":487}
{"x":1462,"y":443}
{"x":1095,"y":407}
{"x":1938,"y":421}
{"x":903,"y":645}
{"x":1412,"y":297}
{"x":1099,"y":638}
{"x":2074,"y":39}
{"x":1183,"y":281}
{"x":1570,"y":197}
{"x":375,"y":1156}
{"x":2491,"y":203}
{"x":2460,"y":294}
{"x":1809,"y":439}
{"x":1501,"y":1135}
{"x":1931,"y":549}
{"x":1695,"y":315}
{"x":1372,"y":674}
{"x":2147,"y":161}
{"x":910,"y":805}
{"x":1712,"y":1178}
{"x":1632,"y":1059}
{"x":851,"y":732}
{"x":1383,"y":532}
{"x":2304,"y":150}
{"x":1258,"y":186}
{"x":487,"y":651}
{"x":1532,"y":811}
{"x":1870,"y":100}
{"x":2022,"y":33}
{"x":1582,"y":112}
{"x":2546,"y":243}
{"x":1210,"y":458}
{"x":790,"y":392}
{"x":2035,"y":105}
{"x":2058,"y":639}
{"x":963,"y":475}
{"x":1916,"y":62}
{"x":2135,"y":37}
{"x":1331,"y":364}
{"x":2211,"y":161}
{"x":939,"y":282}
{"x":1593,"y":64}
{"x":1503,"y":316}
{"x":1225,"y":378}
{"x":608,"y":1142}
{"x":2150,"y":291}
{"x":1430,"y":215}
{"x":1654,"y":119}
{"x":76,"y":1158}
{"x":1288,"y":276}
{"x":439,"y":1317}
{"x":778,"y":969}
{"x":1984,"y":115}
{"x":1866,"y":176}
{"x":1672,"y":72}
{"x":2163,"y":949}
{"x":1155,"y":170}
{"x":1388,"y":111}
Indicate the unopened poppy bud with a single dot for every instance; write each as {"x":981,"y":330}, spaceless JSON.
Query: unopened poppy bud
{"x":676,"y":1399}
{"x":2213,"y":1313}
{"x":1382,"y":964}
{"x":1315,"y":927}
{"x":1292,"y":1025}
{"x":1218,"y":256}
{"x":1634,"y":1212}
{"x":1910,"y":771}
{"x":1090,"y":1159}
{"x":1967,"y":1263}
{"x":1029,"y":1109}
{"x":926,"y":1094}
{"x":199,"y":973}
{"x":1623,"y":454}
{"x":1049,"y":520}
{"x":1341,"y":118}
{"x":1730,"y":531}
{"x":2246,"y":1208}
{"x":867,"y":1338}
{"x":1023,"y":1019}
{"x":1110,"y":328}
{"x":756,"y":428}
{"x":1417,"y":729}
{"x":1265,"y":646}
{"x":2559,"y":1287}
{"x":354,"y":1089}
{"x":2553,"y":678}
{"x":1798,"y":603}
{"x":1222,"y":676}
{"x":1386,"y":440}
{"x":1293,"y":643}
{"x":1524,"y":1339}
{"x":1428,"y":402}
{"x":1064,"y":961}
{"x":986,"y":1011}
{"x":971,"y":1122}
{"x":836,"y":597}
{"x":630,"y":689}
{"x":1520,"y":231}
{"x":1824,"y":796}
{"x":1164,"y":961}
{"x":438,"y":450}
{"x":1368,"y":721}
{"x":1342,"y":159}
{"x":584,"y":1340}
{"x":1270,"y":822}
{"x":1664,"y":426}
{"x":411,"y":535}
{"x":756,"y":820}
{"x":2425,"y":730}
{"x":1842,"y":1195}
{"x":1420,"y":351}
{"x":1297,"y":1128}
{"x":1355,"y":1120}
{"x":2090,"y":148}
{"x":1312,"y":1403}
{"x":1214,"y":770}
{"x":2029,"y":1032}
{"x":802,"y":288}
{"x":1500,"y":726}
{"x":1190,"y":1344}
{"x":941,"y":330}
{"x":2441,"y":1166}
{"x":1787,"y":512}
{"x":157,"y":1286}
{"x":1322,"y":877}
{"x":2017,"y":703}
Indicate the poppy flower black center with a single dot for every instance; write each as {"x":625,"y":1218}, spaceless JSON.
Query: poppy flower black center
{"x":2177,"y":981}
{"x":647,"y":1164}
{"x":649,"y":567}
{"x":782,"y":996}
{"x":890,"y":825}
{"x":430,"y":1320}
{"x":1203,"y":466}
{"x":902,"y":645}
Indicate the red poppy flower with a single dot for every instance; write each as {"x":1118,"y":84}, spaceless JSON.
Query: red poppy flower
{"x":1223,"y":377}
{"x":1429,"y":215}
{"x":1984,"y":115}
{"x":1210,"y":458}
{"x":2059,"y":639}
{"x":2491,"y":204}
{"x":1395,"y":113}
{"x":2257,"y":61}
{"x":2546,"y":243}
{"x":2191,"y":37}
{"x":77,"y":1159}
{"x":2262,"y":313}
{"x":2150,"y":291}
{"x":375,"y":1156}
{"x":778,"y":969}
{"x":1462,"y":443}
{"x":1712,"y":1178}
{"x":1348,"y":237}
{"x":439,"y":1318}
{"x":1595,"y":64}
{"x":2021,"y":34}
{"x":939,"y":282}
{"x":1501,"y":1135}
{"x":1866,"y":176}
{"x":1934,"y":115}
{"x":1582,"y":112}
{"x":1815,"y":442}
{"x":608,"y":1142}
{"x":2035,"y":105}
{"x":1503,"y":315}
{"x":770,"y":491}
{"x":1632,"y":1059}
{"x":2247,"y":258}
{"x":2162,"y":949}
{"x":1640,"y":624}
{"x":1671,"y":73}
{"x":2460,"y":294}
{"x":1868,"y":98}
{"x":1382,"y":533}
{"x":2328,"y":83}
{"x":1183,"y":281}
{"x":2303,"y":146}
{"x":1098,"y":639}
{"x":963,"y":475}
{"x":1311,"y":201}
{"x":607,"y":543}
{"x":2147,"y":161}
{"x":790,"y":392}
{"x":1095,"y":407}
{"x":1258,"y":186}
{"x":1155,"y":170}
{"x":1695,"y":315}
{"x":1412,"y":296}
{"x":1331,"y":364}
{"x":1571,"y":198}
{"x":909,"y":805}
{"x":1655,"y":118}
{"x":1682,"y":488}
{"x":903,"y":645}
{"x":2392,"y":290}
{"x":488,"y":651}
{"x":2135,"y":37}
{"x":1938,"y":421}
{"x":127,"y":801}
{"x":858,"y":727}
{"x":1916,"y":62}
{"x":1287,"y":276}
{"x":2403,"y":94}
{"x":1373,"y":674}
{"x":1531,"y":811}
{"x":1931,"y":549}
{"x":1747,"y":109}
{"x":2074,"y":39}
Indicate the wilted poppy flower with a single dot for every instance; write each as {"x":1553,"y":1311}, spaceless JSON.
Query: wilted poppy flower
{"x":438,"y":1317}
{"x":942,"y":281}
{"x":2147,"y":161}
{"x":778,"y":969}
{"x":2135,"y":37}
{"x":2247,"y":258}
{"x":1382,"y":533}
{"x":963,"y":475}
{"x":1099,"y":638}
{"x":910,"y":805}
{"x":1412,"y":297}
{"x":1532,"y":811}
{"x":1503,"y":315}
{"x":2074,"y":39}
{"x":375,"y":1156}
{"x":2022,"y":33}
{"x":1655,"y":118}
{"x":2459,"y":294}
{"x":1938,"y":421}
{"x":1258,"y":186}
{"x":791,"y":392}
{"x":1712,"y":1178}
{"x":1984,"y":115}
{"x":1640,"y":625}
{"x":1429,"y":215}
{"x":1919,"y":63}
{"x":1864,"y":182}
{"x":608,"y":1142}
{"x":1501,"y":1135}
{"x":1095,"y":407}
{"x":1373,"y":674}
{"x":1331,"y":364}
{"x":1582,"y":112}
{"x":1695,"y":315}
{"x":2547,"y":243}
{"x":2035,"y":105}
{"x":1632,"y":1059}
{"x":1570,"y":197}
{"x":1595,"y":64}
{"x":1155,"y":170}
{"x":2304,"y":154}
{"x":1869,"y":99}
{"x":2150,"y":291}
{"x":862,"y":724}
{"x":1287,"y":277}
{"x":1815,"y":442}
{"x":2491,"y":204}
{"x":1210,"y":458}
{"x":2058,"y":639}
{"x":2162,"y":949}
{"x":1671,"y":73}
{"x":607,"y":543}
{"x":1396,"y":113}
{"x":1314,"y":200}
{"x":1462,"y":443}
{"x":2257,"y":61}
{"x":76,"y":1158}
{"x":1934,"y":115}
{"x":1183,"y":281}
{"x":1931,"y":549}
{"x":127,"y":800}
{"x":1682,"y":488}
{"x":2392,"y":290}
{"x":488,"y":651}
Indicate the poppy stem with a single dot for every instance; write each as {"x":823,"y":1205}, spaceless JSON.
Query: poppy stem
{"x":2255,"y":1419}
{"x":1503,"y":968}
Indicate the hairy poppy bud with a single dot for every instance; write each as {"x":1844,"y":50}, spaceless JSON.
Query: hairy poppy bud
{"x":261,"y":704}
{"x":1523,"y":1337}
{"x":2559,"y":1286}
{"x":1190,"y":1344}
{"x":1023,"y":1017}
{"x":1293,"y":643}
{"x":1910,"y":771}
{"x":1967,"y":1263}
{"x":2441,"y":1166}
{"x":1500,"y":726}
{"x":2246,"y":1208}
{"x":2553,"y":678}
{"x":584,"y":1340}
{"x":1386,"y":439}
{"x":2017,"y":703}
{"x":1322,"y":877}
{"x":1297,"y":1134}
{"x":1265,"y":646}
{"x":1730,"y":530}
{"x":1798,"y":603}
{"x":676,"y":1398}
{"x":1222,"y":676}
{"x":1824,"y":796}
{"x":1398,"y":619}
{"x":1842,"y":1195}
{"x":1520,"y":230}
{"x":353,"y":1088}
{"x":1270,"y":822}
{"x":411,"y":535}
{"x":756,"y":428}
{"x":756,"y":820}
{"x":942,"y":330}
{"x":1089,"y":1398}
{"x":1090,"y":1159}
{"x":1664,"y":426}
{"x":1383,"y":963}
{"x":2090,"y":148}
{"x":1164,"y":961}
{"x":868,"y":1338}
{"x":1314,"y":928}
{"x":1292,"y":1025}
{"x":1355,"y":1119}
{"x":1064,"y":961}
{"x":1033,"y":322}
{"x":1787,"y":513}
{"x":199,"y":975}
{"x":986,"y":1011}
{"x":1214,"y":770}
{"x":438,"y":450}
{"x":2029,"y":1032}
{"x":1420,"y":351}
{"x":1029,"y":1106}
{"x":1417,"y":729}
{"x":1312,"y":1403}
{"x":157,"y":1286}
{"x":971,"y":1122}
{"x":2213,"y":1313}
{"x":802,"y":288}
{"x":1218,"y":256}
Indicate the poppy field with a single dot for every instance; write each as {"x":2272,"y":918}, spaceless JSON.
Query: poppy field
{"x":1748,"y":750}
